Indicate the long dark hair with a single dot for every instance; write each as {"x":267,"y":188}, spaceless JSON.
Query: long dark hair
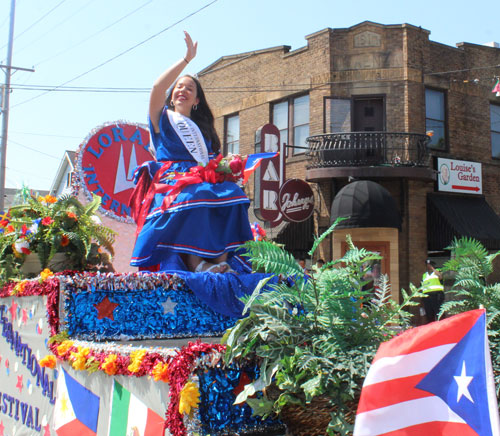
{"x":202,"y":116}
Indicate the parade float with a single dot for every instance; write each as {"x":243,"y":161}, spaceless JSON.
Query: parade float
{"x":91,"y":352}
{"x":138,"y":353}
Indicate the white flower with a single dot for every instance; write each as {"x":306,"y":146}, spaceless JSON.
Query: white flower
{"x":96,"y":220}
{"x":20,"y":244}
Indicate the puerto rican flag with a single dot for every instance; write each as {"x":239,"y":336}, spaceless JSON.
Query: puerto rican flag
{"x":253,"y":161}
{"x":432,"y":380}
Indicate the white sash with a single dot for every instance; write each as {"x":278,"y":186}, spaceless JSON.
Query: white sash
{"x":190,"y":135}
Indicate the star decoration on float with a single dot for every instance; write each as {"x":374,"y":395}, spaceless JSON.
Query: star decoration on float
{"x":24,"y":316}
{"x":105,"y":308}
{"x":46,"y":430}
{"x":13,"y":310}
{"x":463,"y":381}
{"x":20,"y":383}
{"x":2,"y":428}
{"x":243,"y":381}
{"x":169,"y":306}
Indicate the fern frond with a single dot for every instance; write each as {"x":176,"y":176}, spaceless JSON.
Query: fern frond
{"x":272,"y":259}
{"x":92,"y":207}
{"x":320,"y":239}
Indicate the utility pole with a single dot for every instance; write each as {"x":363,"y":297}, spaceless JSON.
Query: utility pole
{"x":5,"y":104}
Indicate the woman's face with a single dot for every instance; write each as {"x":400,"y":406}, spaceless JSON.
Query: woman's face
{"x":184,"y":95}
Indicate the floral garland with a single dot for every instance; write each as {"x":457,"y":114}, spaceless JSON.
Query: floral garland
{"x":47,"y":284}
{"x":183,"y":391}
{"x":110,"y":359}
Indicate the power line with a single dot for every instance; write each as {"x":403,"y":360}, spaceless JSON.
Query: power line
{"x":4,"y":21}
{"x":34,"y":149}
{"x":118,"y":55}
{"x":45,"y":134}
{"x":52,"y":28}
{"x":94,"y":34}
{"x":37,"y":21}
{"x":462,"y":71}
{"x":29,"y":174}
{"x":20,"y":87}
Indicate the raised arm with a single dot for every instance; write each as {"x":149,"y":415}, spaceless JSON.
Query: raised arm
{"x":162,"y":83}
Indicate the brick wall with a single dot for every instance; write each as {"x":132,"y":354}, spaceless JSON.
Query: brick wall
{"x":396,"y":62}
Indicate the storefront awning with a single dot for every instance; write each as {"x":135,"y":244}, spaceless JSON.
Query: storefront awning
{"x":365,"y":204}
{"x":452,"y":216}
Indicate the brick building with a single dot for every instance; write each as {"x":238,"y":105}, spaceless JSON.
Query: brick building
{"x":373,"y":92}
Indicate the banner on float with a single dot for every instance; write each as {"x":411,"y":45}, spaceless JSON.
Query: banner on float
{"x":27,"y":390}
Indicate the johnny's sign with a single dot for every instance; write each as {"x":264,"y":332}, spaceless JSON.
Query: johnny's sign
{"x":106,"y":163}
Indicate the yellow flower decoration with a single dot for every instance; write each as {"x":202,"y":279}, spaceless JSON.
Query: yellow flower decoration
{"x":19,"y":288}
{"x":79,"y":359}
{"x":16,"y":253}
{"x":136,"y":360}
{"x":160,"y":372}
{"x":109,"y":365}
{"x":45,"y":274}
{"x":190,"y":398}
{"x":48,"y":361}
{"x":63,"y":348}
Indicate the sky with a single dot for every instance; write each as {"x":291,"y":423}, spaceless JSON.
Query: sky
{"x":95,"y":60}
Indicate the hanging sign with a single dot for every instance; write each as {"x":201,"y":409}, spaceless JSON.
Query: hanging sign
{"x":106,"y":162}
{"x":459,"y":176}
{"x":296,"y":200}
{"x":269,"y":177}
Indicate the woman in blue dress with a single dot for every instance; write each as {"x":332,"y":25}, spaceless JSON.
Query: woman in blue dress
{"x":184,"y":219}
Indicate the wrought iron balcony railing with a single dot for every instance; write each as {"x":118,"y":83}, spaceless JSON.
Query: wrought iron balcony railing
{"x":368,"y":149}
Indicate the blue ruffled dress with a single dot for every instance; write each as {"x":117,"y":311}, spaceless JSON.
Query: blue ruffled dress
{"x":205,"y":219}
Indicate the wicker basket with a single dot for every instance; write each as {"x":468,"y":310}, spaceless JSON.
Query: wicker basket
{"x":313,"y":419}
{"x":310,"y":421}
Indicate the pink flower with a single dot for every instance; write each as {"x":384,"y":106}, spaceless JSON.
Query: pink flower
{"x":47,"y":221}
{"x":236,"y":164}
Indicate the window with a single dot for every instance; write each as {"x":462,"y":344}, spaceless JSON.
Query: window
{"x":338,"y":115}
{"x":300,"y":123}
{"x":233,"y":134}
{"x":435,"y":118}
{"x":69,"y":179}
{"x":280,"y":120}
{"x":291,"y":117}
{"x":495,"y":130}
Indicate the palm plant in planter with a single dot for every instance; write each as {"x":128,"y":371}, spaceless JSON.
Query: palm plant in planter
{"x":313,"y":338}
{"x":45,"y":226}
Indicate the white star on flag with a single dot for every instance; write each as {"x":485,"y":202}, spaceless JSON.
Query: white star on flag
{"x":169,"y":306}
{"x":463,"y":382}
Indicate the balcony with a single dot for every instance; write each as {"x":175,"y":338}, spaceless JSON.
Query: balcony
{"x":369,"y":154}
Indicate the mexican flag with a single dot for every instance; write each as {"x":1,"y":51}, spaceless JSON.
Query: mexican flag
{"x":131,"y":417}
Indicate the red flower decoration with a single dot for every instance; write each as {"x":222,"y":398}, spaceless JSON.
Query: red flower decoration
{"x":236,"y":165}
{"x":71,"y":215}
{"x":47,"y":221}
{"x":64,"y":241}
{"x":3,"y":223}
